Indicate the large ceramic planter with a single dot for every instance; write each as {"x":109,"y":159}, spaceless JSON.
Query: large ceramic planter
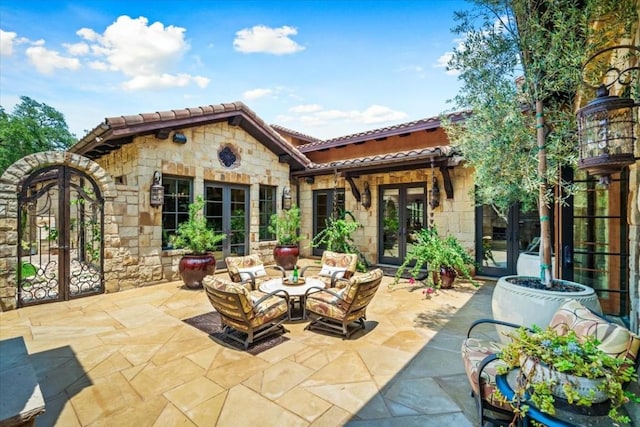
{"x":286,"y":256}
{"x":194,"y":268}
{"x":527,"y":306}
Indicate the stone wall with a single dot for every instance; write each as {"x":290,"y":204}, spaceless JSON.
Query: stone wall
{"x":134,"y":165}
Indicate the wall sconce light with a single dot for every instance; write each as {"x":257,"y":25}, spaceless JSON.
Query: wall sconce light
{"x":157,"y":190}
{"x":606,"y":123}
{"x":434,"y":201}
{"x":180,"y":138}
{"x":366,"y":196}
{"x":286,"y":198}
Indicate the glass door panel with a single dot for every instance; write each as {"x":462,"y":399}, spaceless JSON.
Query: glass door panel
{"x":402,"y":214}
{"x":326,"y":204}
{"x":493,"y":253}
{"x":227,"y":211}
{"x":600,"y":241}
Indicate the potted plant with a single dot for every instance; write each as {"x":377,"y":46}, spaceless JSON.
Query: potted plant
{"x":285,"y":226}
{"x":336,"y":237}
{"x":442,"y":258}
{"x":554,"y":365}
{"x":196,"y":236}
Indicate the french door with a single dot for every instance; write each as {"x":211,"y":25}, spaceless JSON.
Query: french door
{"x":227,"y":211}
{"x":504,"y":243}
{"x":402,"y":212}
{"x":327,"y":203}
{"x":595,"y":229}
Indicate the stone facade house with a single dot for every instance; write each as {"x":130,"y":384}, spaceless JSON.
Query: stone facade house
{"x":102,"y":231}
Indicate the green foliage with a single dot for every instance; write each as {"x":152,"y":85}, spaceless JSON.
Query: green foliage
{"x":31,"y":128}
{"x":515,"y":53}
{"x":28,"y":269}
{"x":285,"y":226}
{"x":571,"y":355}
{"x":195,"y":234}
{"x":337,"y":237}
{"x":430,"y":252}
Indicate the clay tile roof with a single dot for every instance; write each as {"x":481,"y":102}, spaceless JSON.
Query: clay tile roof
{"x":417,"y":125}
{"x":120,"y":129}
{"x":297,"y":134}
{"x":387,"y":160}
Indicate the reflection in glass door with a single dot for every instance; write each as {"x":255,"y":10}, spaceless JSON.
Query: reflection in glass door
{"x":227,"y":211}
{"x":506,"y":245}
{"x":402,"y":214}
{"x":327,"y":203}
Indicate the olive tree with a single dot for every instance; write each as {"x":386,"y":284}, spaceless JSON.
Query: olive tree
{"x":520,"y":63}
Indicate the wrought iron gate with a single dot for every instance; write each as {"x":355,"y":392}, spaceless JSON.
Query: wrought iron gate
{"x":60,"y":230}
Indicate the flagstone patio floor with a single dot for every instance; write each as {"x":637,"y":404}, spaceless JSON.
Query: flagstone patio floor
{"x":128,"y":359}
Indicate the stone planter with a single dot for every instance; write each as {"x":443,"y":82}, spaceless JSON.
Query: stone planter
{"x":527,"y":306}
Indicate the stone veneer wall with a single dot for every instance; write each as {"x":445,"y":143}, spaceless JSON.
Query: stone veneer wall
{"x":454,"y":216}
{"x":134,"y":164}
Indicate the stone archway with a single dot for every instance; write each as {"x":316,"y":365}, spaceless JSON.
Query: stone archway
{"x":10,"y":184}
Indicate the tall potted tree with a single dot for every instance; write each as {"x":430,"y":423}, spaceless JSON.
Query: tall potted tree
{"x":285,"y":226}
{"x":196,"y":236}
{"x":521,"y":68}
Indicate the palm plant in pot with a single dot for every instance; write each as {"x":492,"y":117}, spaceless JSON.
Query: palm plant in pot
{"x":196,"y":236}
{"x":438,"y":259}
{"x":285,"y":226}
{"x":522,"y":131}
{"x":556,"y":367}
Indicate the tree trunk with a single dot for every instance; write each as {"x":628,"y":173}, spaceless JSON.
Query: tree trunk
{"x":543,"y":208}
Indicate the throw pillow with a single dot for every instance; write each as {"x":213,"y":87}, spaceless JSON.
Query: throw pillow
{"x":328,"y":270}
{"x":257,"y":271}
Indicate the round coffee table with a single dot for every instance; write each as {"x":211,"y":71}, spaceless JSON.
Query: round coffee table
{"x":296,"y":292}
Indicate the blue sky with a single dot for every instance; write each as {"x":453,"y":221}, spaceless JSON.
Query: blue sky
{"x":323,"y":68}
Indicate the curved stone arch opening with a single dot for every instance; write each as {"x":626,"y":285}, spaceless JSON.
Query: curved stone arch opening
{"x":10,"y":183}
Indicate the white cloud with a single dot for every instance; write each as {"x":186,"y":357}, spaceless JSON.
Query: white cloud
{"x":76,"y":49}
{"x":256,"y":93}
{"x":381,"y":114}
{"x":443,"y":62}
{"x":307,"y":108}
{"x":314,"y":115}
{"x":159,"y":81}
{"x":262,"y":39}
{"x":7,"y":40}
{"x":145,"y":53}
{"x":98,"y":65}
{"x":135,"y":48}
{"x":46,"y":61}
